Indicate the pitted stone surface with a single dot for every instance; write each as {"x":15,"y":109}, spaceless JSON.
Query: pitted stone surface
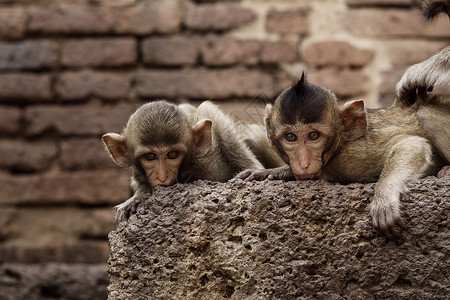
{"x":280,"y":240}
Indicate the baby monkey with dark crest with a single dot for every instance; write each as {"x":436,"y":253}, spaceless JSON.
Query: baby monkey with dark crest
{"x":163,"y":144}
{"x":321,"y":139}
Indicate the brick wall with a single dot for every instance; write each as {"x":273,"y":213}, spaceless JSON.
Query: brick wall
{"x":73,"y":70}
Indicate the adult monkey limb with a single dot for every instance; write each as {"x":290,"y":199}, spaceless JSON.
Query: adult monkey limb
{"x":321,"y":139}
{"x":163,"y":144}
{"x":425,"y":87}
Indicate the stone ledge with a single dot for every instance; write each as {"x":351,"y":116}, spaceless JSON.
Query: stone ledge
{"x":280,"y":240}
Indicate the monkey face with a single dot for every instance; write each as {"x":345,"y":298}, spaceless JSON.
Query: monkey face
{"x":161,"y":164}
{"x":304,"y":145}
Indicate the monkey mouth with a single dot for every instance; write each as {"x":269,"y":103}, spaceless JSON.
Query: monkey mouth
{"x":308,"y":176}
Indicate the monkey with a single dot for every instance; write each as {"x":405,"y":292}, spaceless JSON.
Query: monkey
{"x":431,"y":8}
{"x":320,"y":138}
{"x":425,"y":88}
{"x":163,"y":144}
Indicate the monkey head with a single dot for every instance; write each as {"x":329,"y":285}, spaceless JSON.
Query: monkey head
{"x":306,"y":125}
{"x":158,"y":141}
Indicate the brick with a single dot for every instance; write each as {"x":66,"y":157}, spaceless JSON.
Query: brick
{"x":84,"y":84}
{"x":45,"y":225}
{"x":379,"y":2}
{"x":228,"y":51}
{"x":77,"y":120}
{"x":144,"y":17}
{"x":70,"y":18}
{"x":409,"y":52}
{"x":392,"y":22}
{"x":83,"y":187}
{"x":28,"y":55}
{"x":176,"y":51}
{"x":82,"y":153}
{"x":149,"y":16}
{"x":218,"y":16}
{"x":276,"y":52}
{"x":342,"y":82}
{"x":89,"y":252}
{"x":26,"y":156}
{"x":388,"y":81}
{"x":25,"y":86}
{"x":205,"y":84}
{"x":288,"y":21}
{"x":12,"y":22}
{"x":336,"y":53}
{"x":105,"y":52}
{"x":7,"y":217}
{"x":10,"y":120}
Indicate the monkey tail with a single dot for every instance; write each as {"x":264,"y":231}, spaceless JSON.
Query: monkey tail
{"x":431,"y":8}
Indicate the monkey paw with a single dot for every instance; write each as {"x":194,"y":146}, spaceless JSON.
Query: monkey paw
{"x":260,"y":174}
{"x":444,"y":172}
{"x":387,"y":220}
{"x":126,"y":209}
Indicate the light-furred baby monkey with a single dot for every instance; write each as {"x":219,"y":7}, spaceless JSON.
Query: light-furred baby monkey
{"x":164,"y":144}
{"x":322,"y":139}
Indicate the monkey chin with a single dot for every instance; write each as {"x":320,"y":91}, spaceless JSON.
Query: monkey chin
{"x":308,"y":176}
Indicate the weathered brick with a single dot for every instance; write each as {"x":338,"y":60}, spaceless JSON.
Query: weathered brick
{"x":289,"y":21}
{"x":409,"y":52}
{"x":218,"y":16}
{"x":10,"y":119}
{"x":205,"y":84}
{"x":379,"y":2}
{"x":70,"y":18}
{"x":149,"y":16}
{"x":28,"y":55}
{"x":82,"y":153}
{"x":25,"y":86}
{"x":86,"y":187}
{"x":228,"y":51}
{"x":89,"y":252}
{"x":46,"y":225}
{"x":12,"y":22}
{"x":105,"y":52}
{"x":275,"y":52}
{"x":388,"y":81}
{"x":344,"y":82}
{"x":336,"y":53}
{"x":392,"y":22}
{"x":83,"y":84}
{"x":170,"y":51}
{"x":27,"y":156}
{"x":77,"y":120}
{"x":144,"y":17}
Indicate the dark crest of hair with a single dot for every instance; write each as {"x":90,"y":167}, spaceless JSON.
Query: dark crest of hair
{"x":303,"y":102}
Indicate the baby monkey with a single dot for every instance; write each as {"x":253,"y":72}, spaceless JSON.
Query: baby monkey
{"x":319,"y":138}
{"x":163,"y":144}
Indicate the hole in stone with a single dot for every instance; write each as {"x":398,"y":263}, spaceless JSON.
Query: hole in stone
{"x":248,"y":247}
{"x":263,"y":236}
{"x":229,"y":290}
{"x":204,"y":279}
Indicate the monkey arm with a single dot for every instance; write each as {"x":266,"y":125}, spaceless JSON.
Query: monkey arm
{"x":430,"y":76}
{"x":409,"y":158}
{"x":282,"y":173}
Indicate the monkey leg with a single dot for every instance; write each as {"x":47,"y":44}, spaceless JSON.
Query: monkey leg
{"x":409,"y":158}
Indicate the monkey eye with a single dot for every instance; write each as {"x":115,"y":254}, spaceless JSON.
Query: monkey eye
{"x":290,"y":137}
{"x":173,"y":154}
{"x":313,"y":135}
{"x":149,"y":156}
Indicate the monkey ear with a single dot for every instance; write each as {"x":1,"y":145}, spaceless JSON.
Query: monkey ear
{"x":202,"y":138}
{"x":115,"y":144}
{"x":354,"y":119}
